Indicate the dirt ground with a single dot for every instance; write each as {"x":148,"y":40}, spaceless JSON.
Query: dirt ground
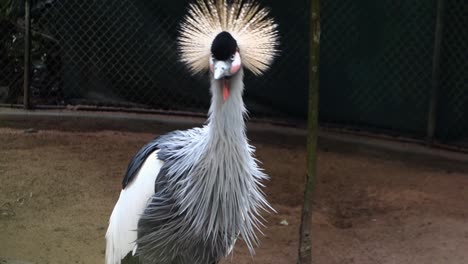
{"x":58,"y":188}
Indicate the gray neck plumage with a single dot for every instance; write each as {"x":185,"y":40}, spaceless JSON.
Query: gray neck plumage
{"x":226,"y":118}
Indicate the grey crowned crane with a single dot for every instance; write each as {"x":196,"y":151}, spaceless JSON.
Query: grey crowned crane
{"x":187,"y":196}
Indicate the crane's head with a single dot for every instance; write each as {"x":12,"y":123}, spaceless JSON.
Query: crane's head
{"x":224,"y":36}
{"x":225,"y":59}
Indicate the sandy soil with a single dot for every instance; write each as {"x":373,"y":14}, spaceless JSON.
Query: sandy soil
{"x":58,"y":188}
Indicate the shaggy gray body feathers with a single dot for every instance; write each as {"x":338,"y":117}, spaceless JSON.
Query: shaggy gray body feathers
{"x":195,"y":216}
{"x":207,"y":193}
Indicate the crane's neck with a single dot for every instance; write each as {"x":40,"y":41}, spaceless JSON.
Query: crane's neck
{"x":226,"y":117}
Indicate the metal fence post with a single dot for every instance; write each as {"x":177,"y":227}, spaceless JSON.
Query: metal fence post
{"x":432,"y":113}
{"x":27,"y":53}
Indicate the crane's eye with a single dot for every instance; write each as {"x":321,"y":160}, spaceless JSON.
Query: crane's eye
{"x":233,"y":57}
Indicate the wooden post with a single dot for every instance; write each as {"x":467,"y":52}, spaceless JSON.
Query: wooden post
{"x":433,"y":100}
{"x":27,"y":53}
{"x":305,"y":242}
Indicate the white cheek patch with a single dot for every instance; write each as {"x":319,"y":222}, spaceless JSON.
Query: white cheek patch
{"x":236,"y":64}
{"x":211,"y":64}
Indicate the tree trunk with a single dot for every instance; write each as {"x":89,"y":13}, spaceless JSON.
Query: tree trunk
{"x":305,"y":245}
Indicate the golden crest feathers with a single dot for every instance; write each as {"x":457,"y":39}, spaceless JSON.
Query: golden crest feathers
{"x":256,"y":33}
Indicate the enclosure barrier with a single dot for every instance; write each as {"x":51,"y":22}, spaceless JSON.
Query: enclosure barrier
{"x":391,"y":67}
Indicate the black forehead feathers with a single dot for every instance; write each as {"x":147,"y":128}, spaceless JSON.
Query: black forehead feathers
{"x":223,"y":46}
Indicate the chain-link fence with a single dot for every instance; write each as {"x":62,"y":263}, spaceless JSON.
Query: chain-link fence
{"x":376,"y":62}
{"x":452,"y":119}
{"x":124,"y":54}
{"x":45,"y":86}
{"x":11,"y":53}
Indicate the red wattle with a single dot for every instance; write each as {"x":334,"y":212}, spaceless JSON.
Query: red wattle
{"x":225,"y":90}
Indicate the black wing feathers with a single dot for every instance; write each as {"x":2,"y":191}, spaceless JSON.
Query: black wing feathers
{"x":160,"y":142}
{"x":137,"y":160}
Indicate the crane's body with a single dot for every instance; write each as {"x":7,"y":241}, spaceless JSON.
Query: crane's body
{"x":188,"y":195}
{"x":191,"y":193}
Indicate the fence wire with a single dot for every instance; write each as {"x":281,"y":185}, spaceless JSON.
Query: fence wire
{"x":453,"y":90}
{"x":376,"y":61}
{"x":124,"y":54}
{"x":119,"y":53}
{"x":11,"y":58}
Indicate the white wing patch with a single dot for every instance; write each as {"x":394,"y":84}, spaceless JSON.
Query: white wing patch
{"x":122,"y":231}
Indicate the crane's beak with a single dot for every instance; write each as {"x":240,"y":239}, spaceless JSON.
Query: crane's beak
{"x":220,"y":69}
